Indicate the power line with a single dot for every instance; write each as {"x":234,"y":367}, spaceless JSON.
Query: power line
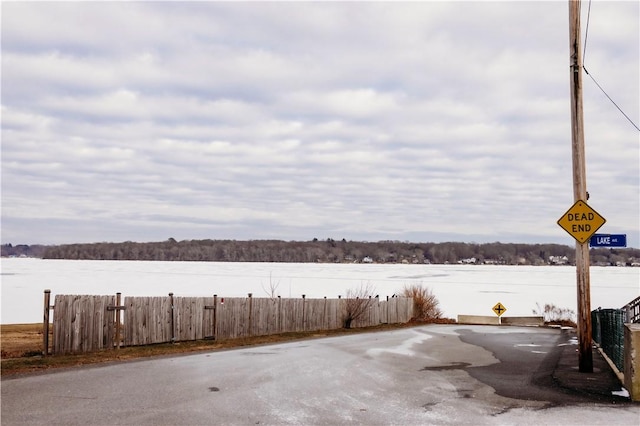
{"x":584,"y":54}
{"x":612,"y":101}
{"x":586,"y":33}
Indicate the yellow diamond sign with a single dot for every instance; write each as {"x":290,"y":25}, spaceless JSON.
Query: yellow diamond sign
{"x":499,"y":309}
{"x":581,"y":221}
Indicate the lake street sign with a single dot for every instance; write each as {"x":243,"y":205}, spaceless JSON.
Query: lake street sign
{"x":581,"y":221}
{"x":608,"y":240}
{"x":499,"y":309}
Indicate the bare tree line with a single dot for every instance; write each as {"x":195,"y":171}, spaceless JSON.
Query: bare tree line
{"x":326,"y":251}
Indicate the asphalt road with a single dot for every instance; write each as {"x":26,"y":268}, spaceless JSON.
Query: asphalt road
{"x":438,"y":374}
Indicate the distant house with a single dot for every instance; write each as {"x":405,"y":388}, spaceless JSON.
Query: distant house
{"x":558,"y":260}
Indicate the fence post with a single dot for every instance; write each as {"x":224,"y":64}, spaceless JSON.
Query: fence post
{"x":250,"y":309}
{"x":215,"y":315}
{"x":304,"y":320}
{"x":279,"y":319}
{"x":45,"y":322}
{"x":325,"y":320}
{"x":173,"y":331}
{"x":387,"y":307}
{"x":117,"y":314}
{"x":114,"y":337}
{"x":214,"y":308}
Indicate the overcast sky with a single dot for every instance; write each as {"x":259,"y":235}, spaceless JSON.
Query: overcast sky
{"x":426,"y":122}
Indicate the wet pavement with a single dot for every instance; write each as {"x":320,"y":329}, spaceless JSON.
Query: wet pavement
{"x":436,"y":374}
{"x":600,"y":385}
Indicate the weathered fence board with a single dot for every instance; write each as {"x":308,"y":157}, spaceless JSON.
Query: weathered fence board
{"x":86,"y":323}
{"x":314,"y":314}
{"x":189,"y":314}
{"x":265,"y":316}
{"x":82,"y":323}
{"x":232,"y":318}
{"x":147,"y":320}
{"x":335,"y":313}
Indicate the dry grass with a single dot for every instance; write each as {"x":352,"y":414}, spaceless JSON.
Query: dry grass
{"x":21,"y":346}
{"x":554,"y":315}
{"x":18,"y":340}
{"x":425,"y":304}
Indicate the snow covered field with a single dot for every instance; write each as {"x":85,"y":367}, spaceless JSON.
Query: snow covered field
{"x":460,"y":289}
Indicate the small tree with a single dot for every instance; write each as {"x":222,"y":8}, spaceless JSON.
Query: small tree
{"x":425,"y":304}
{"x":273,"y":288}
{"x":357,"y":302}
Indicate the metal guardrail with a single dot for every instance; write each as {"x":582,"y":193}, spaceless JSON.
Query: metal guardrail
{"x":632,"y":311}
{"x":608,"y":329}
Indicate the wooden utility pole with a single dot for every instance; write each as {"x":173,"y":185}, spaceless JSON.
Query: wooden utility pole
{"x":585,"y":357}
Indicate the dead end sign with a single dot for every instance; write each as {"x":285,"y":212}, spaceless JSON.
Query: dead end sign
{"x":581,"y":221}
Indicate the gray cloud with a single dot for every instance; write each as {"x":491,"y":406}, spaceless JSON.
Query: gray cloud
{"x":421,"y":121}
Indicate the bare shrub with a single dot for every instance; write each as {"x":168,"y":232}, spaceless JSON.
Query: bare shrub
{"x":357,"y":302}
{"x":553,"y":314}
{"x":425,"y":304}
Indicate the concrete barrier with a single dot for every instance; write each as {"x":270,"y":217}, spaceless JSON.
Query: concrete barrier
{"x":478,"y":319}
{"x":494,"y":320}
{"x":632,"y":360}
{"x":530,"y":321}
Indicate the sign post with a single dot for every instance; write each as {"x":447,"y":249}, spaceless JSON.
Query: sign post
{"x":499,"y":309}
{"x":585,"y":355}
{"x":581,"y":222}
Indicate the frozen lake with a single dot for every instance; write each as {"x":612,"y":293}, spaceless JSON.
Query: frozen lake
{"x":460,"y":289}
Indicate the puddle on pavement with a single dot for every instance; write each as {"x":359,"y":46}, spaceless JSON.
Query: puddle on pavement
{"x":454,"y":366}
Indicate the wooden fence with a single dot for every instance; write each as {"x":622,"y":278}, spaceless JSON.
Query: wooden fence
{"x":83,"y":323}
